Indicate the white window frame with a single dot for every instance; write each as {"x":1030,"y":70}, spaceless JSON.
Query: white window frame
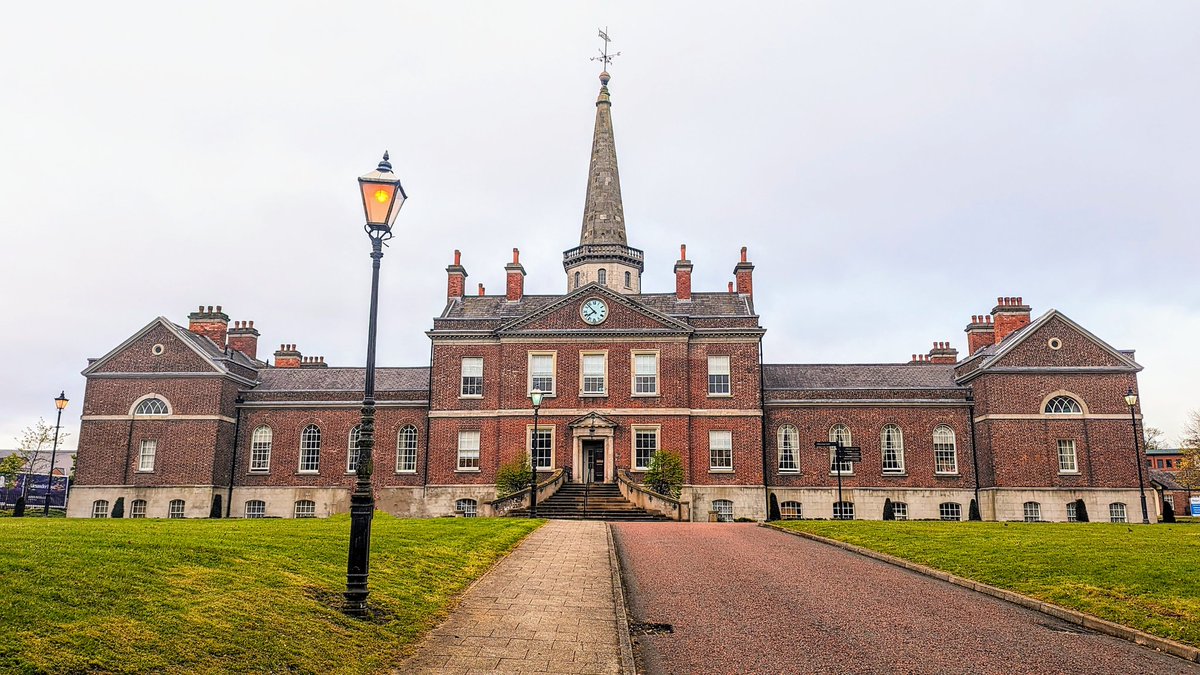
{"x":791,"y":510}
{"x":898,"y":450}
{"x":724,"y":509}
{"x":261,"y":440}
{"x":403,"y":449}
{"x":553,"y":356}
{"x":787,"y":438}
{"x":1059,"y":401}
{"x":467,"y":454}
{"x":304,"y":508}
{"x":176,"y":508}
{"x":309,"y":450}
{"x":353,"y":448}
{"x":147,"y":450}
{"x":1072,"y":512}
{"x":950,"y":511}
{"x":656,"y":431}
{"x":548,"y":430}
{"x":469,"y":508}
{"x":100,"y":508}
{"x":842,"y":509}
{"x":715,"y":445}
{"x":462,"y":377}
{"x":940,"y":451}
{"x":584,"y":376}
{"x":1118,"y":512}
{"x":633,"y":380}
{"x":900,"y":510}
{"x":1067,"y":450}
{"x":137,"y":508}
{"x":840,"y":432}
{"x":134,"y":410}
{"x":1032,"y":512}
{"x":255,"y":508}
{"x":717,"y":360}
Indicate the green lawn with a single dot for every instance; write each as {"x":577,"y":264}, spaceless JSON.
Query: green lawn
{"x":1147,"y":577}
{"x":228,"y":595}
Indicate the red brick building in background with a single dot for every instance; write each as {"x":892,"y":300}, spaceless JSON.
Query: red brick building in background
{"x":1031,"y":424}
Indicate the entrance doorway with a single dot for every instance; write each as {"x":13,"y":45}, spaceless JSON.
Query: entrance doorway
{"x":593,"y":461}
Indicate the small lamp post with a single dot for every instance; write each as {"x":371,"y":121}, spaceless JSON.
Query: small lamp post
{"x":1131,"y":400}
{"x":536,"y":399}
{"x":382,"y":198}
{"x":61,"y":403}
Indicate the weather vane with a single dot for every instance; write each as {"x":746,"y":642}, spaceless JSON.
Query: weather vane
{"x":605,"y":58}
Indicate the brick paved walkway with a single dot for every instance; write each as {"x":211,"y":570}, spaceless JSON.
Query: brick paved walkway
{"x":550,"y":606}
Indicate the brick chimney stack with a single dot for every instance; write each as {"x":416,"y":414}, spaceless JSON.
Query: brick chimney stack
{"x":981,"y":332}
{"x":515,"y":288}
{"x":919,"y":360}
{"x":731,"y":287}
{"x":456,"y":278}
{"x":744,"y":273}
{"x":683,"y":275}
{"x":482,"y":292}
{"x":209,"y":323}
{"x":1009,"y":315}
{"x":288,"y":357}
{"x":244,"y":338}
{"x":313,"y":362}
{"x":942,"y":352}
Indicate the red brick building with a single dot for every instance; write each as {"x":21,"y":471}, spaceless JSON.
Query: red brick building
{"x":1031,"y":424}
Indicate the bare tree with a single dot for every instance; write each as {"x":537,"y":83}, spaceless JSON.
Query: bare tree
{"x":1155,"y":438}
{"x":1188,"y":474}
{"x":34,"y":446}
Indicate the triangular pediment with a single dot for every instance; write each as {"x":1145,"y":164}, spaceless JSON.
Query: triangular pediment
{"x":592,"y":420}
{"x":1055,"y":342}
{"x":625,"y":314}
{"x":159,"y":347}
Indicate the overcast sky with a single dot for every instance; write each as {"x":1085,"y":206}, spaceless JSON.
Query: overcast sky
{"x":893,"y":167}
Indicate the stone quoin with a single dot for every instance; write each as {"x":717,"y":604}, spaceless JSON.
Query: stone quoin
{"x":192,"y":422}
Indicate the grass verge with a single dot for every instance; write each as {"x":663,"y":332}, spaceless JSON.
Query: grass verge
{"x":228,"y":595}
{"x":1144,"y":577}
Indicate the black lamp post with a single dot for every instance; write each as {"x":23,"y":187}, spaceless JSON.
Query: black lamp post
{"x":536,"y":398}
{"x":61,"y":404}
{"x":382,"y":198}
{"x":1131,"y":400}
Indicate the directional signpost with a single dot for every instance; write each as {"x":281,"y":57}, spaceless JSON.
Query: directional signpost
{"x":841,"y":454}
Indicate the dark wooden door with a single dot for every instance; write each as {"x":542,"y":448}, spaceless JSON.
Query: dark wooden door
{"x":594,"y":458}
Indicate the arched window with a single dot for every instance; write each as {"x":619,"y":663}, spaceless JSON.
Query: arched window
{"x":791,"y":511}
{"x":628,"y":280}
{"x":260,"y":449}
{"x":602,"y":277}
{"x":100,"y":508}
{"x":577,"y":280}
{"x":789,"y":442}
{"x":152,"y":406}
{"x":724,"y":509}
{"x":137,"y":508}
{"x":1033,"y":512}
{"x":305,"y":508}
{"x":256,"y":508}
{"x":945,"y":453}
{"x":310,"y":449}
{"x":839,"y":433}
{"x":406,"y":450}
{"x":1063,"y":405}
{"x":467,"y":508}
{"x":950,"y":511}
{"x":891,"y":440}
{"x":1116,"y":513}
{"x":175,"y":508}
{"x":353,"y":448}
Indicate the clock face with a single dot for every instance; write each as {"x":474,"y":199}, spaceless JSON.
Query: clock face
{"x":594,"y":311}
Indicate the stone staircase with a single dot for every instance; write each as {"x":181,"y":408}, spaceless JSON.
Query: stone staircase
{"x":596,"y":501}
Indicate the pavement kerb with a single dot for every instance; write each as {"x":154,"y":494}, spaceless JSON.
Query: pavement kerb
{"x":1178,"y":649}
{"x":626,"y":646}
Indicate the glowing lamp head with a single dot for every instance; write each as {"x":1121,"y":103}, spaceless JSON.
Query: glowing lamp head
{"x":61,"y":401}
{"x":1130,"y":398}
{"x":536,"y":397}
{"x":382,"y":196}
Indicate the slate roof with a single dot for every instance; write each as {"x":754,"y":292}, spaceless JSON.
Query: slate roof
{"x":498,"y":307}
{"x":859,"y":376}
{"x":1165,"y":479}
{"x":342,"y":379}
{"x":209,"y":347}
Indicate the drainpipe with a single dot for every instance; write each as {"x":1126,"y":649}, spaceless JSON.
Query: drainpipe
{"x":974,"y":453}
{"x":237,"y":426}
{"x":762,"y":406}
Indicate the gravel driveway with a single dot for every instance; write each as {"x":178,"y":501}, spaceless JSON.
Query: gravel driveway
{"x":743,"y":598}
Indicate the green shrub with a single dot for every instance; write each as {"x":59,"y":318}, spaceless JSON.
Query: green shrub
{"x":513,"y":477}
{"x":665,"y":475}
